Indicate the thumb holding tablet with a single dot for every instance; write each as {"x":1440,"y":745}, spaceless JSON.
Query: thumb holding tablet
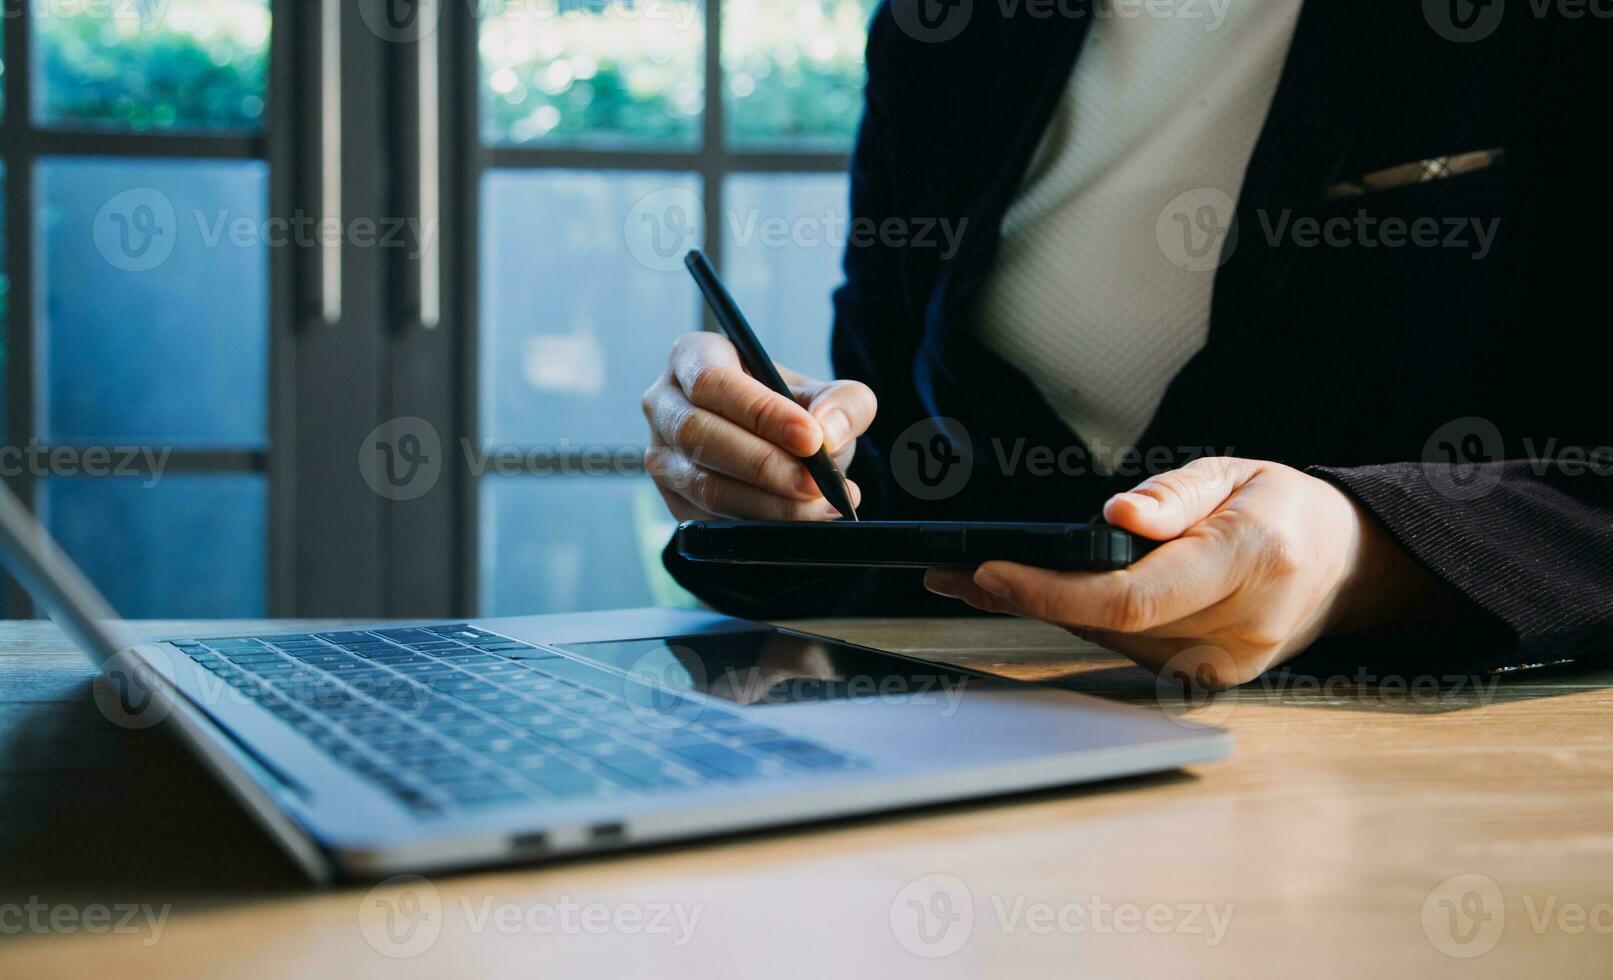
{"x":722,"y":444}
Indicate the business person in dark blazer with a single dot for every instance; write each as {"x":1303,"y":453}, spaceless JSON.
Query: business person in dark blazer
{"x":1313,"y":293}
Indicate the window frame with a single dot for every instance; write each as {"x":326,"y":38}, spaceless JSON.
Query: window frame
{"x":23,"y":142}
{"x":711,"y":162}
{"x":335,"y":548}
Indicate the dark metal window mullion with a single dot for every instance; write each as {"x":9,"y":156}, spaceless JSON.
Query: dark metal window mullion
{"x":282,"y":141}
{"x":462,"y":264}
{"x":713,"y":127}
{"x":211,"y":146}
{"x":19,"y":178}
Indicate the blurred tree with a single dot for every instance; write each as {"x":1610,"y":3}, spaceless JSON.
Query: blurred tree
{"x":202,"y":66}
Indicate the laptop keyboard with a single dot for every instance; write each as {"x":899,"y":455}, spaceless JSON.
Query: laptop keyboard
{"x":454,"y":717}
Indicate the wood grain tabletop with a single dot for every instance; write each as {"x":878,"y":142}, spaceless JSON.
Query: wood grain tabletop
{"x":1365,"y":825}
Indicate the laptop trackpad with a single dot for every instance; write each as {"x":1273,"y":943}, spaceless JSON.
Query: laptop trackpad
{"x":768,"y":667}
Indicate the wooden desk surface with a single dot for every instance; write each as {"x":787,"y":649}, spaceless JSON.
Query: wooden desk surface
{"x":1330,"y":844}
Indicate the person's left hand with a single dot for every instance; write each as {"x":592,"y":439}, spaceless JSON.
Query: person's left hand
{"x":1259,"y":560}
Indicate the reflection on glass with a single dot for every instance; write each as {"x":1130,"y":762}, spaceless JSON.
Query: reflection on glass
{"x":793,"y":72}
{"x":570,"y":543}
{"x":774,"y":666}
{"x":582,"y":294}
{"x":157,"y":64}
{"x":783,"y":238}
{"x":596,"y":72}
{"x":182,"y":545}
{"x":153,"y":301}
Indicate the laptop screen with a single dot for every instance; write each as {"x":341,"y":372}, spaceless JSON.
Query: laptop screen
{"x":771,"y":666}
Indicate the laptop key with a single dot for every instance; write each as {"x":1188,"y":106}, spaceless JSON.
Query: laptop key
{"x":406,"y":634}
{"x":644,"y":769}
{"x":719,"y":759}
{"x":538,"y":721}
{"x":575,"y":735}
{"x":559,"y":777}
{"x":435,"y":645}
{"x":806,"y":754}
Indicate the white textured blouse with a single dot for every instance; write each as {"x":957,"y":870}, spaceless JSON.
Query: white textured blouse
{"x":1101,"y":291}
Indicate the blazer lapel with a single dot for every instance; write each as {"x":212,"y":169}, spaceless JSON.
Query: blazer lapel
{"x":1026,"y":62}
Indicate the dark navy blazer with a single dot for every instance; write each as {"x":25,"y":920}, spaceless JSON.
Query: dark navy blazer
{"x":1386,"y":369}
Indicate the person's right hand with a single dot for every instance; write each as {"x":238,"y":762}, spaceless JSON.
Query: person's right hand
{"x":722,"y":444}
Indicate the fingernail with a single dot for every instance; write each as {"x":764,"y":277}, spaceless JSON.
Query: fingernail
{"x":992,"y":582}
{"x":807,"y":485}
{"x":1139,"y":500}
{"x":836,"y":430}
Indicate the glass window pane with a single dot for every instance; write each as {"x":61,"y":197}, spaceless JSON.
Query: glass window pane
{"x":174,"y":64}
{"x":153,"y":301}
{"x":180,"y":545}
{"x":793,"y":72}
{"x":5,"y":298}
{"x":783,"y":238}
{"x":571,"y":543}
{"x":583,"y":291}
{"x":592,"y":72}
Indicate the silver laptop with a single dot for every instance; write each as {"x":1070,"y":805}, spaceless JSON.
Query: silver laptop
{"x":368,"y":751}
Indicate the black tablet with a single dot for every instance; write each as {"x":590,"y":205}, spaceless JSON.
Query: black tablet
{"x":909,"y":544}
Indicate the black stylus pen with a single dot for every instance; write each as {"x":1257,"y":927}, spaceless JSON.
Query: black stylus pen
{"x":753,"y":355}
